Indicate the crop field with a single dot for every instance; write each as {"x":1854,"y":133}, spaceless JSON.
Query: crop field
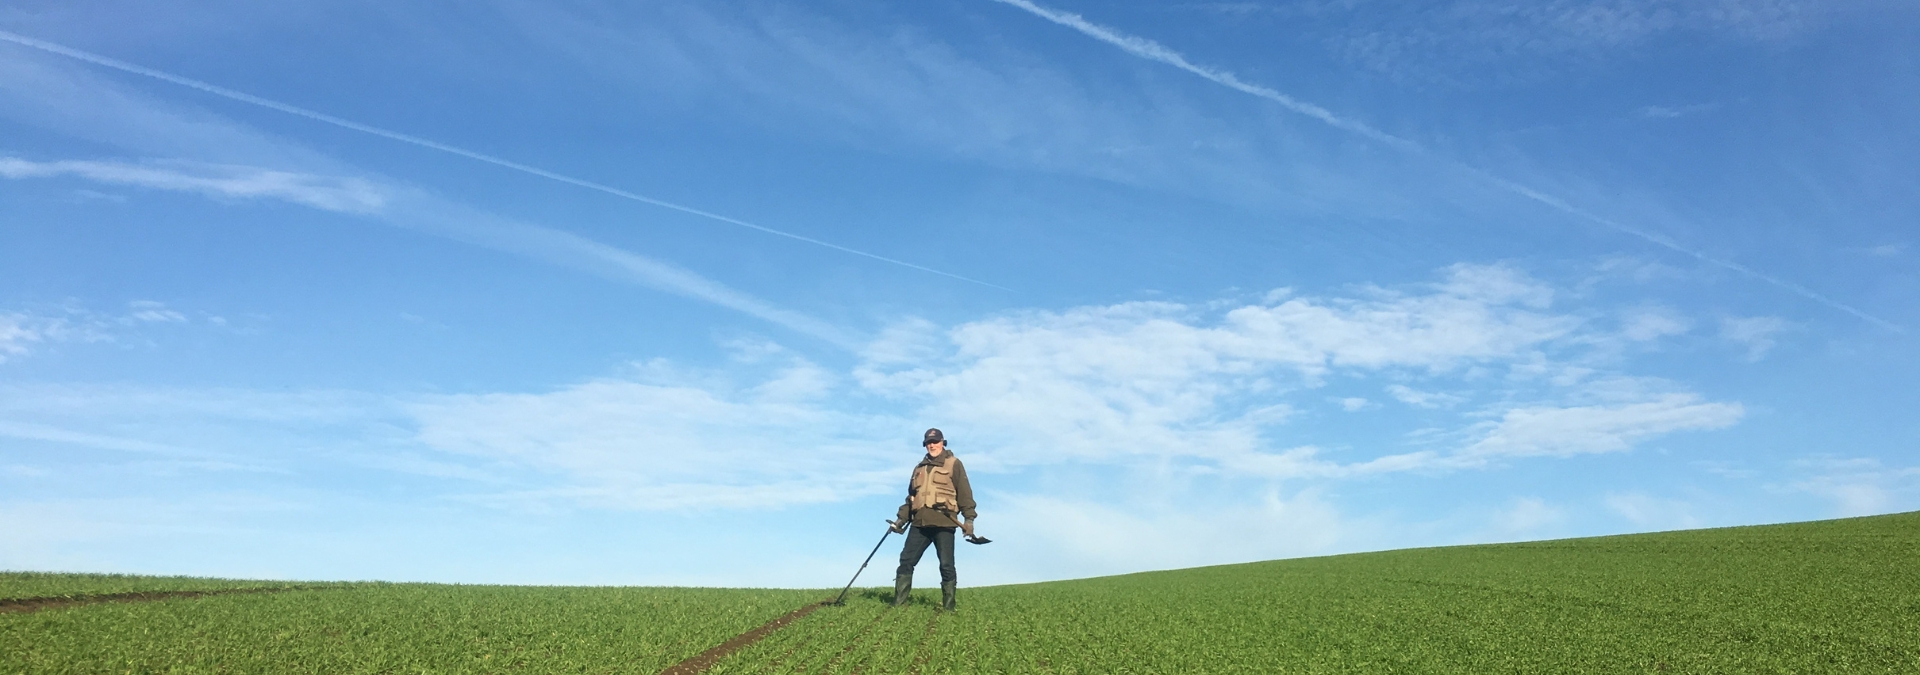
{"x":391,"y":628}
{"x":17,"y":585}
{"x":1838,"y":596}
{"x":1833,"y":596}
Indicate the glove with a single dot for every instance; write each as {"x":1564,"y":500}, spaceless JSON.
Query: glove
{"x":897,"y":526}
{"x":967,"y":527}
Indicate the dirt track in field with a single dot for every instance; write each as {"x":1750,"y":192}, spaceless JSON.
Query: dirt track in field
{"x":699,"y":664}
{"x":22,"y":605}
{"x":706,"y":659}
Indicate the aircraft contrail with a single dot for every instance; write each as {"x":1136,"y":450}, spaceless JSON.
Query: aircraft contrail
{"x":244,"y":97}
{"x":1154,"y":51}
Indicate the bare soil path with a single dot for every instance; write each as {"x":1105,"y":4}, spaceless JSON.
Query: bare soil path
{"x":706,"y":659}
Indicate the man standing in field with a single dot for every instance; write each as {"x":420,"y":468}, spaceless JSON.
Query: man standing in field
{"x":937,"y":493}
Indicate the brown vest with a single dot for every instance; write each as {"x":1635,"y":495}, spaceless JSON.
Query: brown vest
{"x":933,"y":486}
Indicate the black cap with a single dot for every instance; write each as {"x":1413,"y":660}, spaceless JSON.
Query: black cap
{"x":933,"y":436}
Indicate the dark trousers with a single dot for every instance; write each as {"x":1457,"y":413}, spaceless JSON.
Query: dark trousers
{"x":917,"y":539}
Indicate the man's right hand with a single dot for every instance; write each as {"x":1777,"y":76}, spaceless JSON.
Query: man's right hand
{"x":897,"y":526}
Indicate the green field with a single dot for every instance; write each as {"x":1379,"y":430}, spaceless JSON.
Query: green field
{"x":1833,"y":596}
{"x":15,"y":585}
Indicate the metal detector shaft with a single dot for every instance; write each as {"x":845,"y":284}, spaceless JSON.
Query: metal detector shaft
{"x":863,"y":564}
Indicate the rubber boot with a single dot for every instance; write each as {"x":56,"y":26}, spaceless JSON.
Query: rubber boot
{"x":946,"y":595}
{"x":902,"y":589}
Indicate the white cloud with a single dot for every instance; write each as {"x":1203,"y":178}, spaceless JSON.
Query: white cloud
{"x":1652,"y":323}
{"x":1649,"y":512}
{"x":149,"y":311}
{"x":24,"y":471}
{"x":1568,"y":431}
{"x":19,"y":332}
{"x":1727,"y":469}
{"x":1532,"y":39}
{"x":1071,"y":537}
{"x":1859,"y":486}
{"x":249,"y":164}
{"x":40,"y":432}
{"x":664,"y":440}
{"x":1528,"y":514}
{"x":415,"y":209}
{"x":23,"y":331}
{"x":85,"y":195}
{"x":1164,"y":379}
{"x":1674,"y":111}
{"x":1756,"y":333}
{"x":1156,"y":382}
{"x":1167,"y":390}
{"x":1353,"y":404}
{"x":1104,"y":439}
{"x":331,"y":193}
{"x":1423,"y":399}
{"x":1153,"y":51}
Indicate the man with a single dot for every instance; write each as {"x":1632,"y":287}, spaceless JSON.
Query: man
{"x":937,"y":492}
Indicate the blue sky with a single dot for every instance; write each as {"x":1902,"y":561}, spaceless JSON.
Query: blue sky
{"x":593,"y":293}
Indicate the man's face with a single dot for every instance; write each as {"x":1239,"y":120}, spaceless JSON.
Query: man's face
{"x":936,"y":448}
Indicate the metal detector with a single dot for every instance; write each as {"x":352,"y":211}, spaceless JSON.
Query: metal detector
{"x":842,"y":600}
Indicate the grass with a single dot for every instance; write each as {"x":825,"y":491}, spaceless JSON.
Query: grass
{"x":391,"y":628}
{"x":1837,"y":596}
{"x":1832,"y":596}
{"x":17,"y":585}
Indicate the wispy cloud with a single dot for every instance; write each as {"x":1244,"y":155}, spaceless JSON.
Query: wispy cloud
{"x":1130,"y":387}
{"x":904,"y":91}
{"x":243,"y":97}
{"x":20,"y":333}
{"x":23,"y":331}
{"x":1074,"y":537}
{"x":1154,"y":51}
{"x":1529,"y":515}
{"x":1423,"y":399}
{"x":417,"y":210}
{"x":1148,"y":49}
{"x":656,"y":440}
{"x":1447,"y":41}
{"x":1164,"y":382}
{"x":1652,"y":322}
{"x":341,"y":194}
{"x":1649,"y":512}
{"x":1756,"y":333}
{"x":1666,"y":112}
{"x":1858,"y":486}
{"x":1568,"y":431}
{"x":41,"y":432}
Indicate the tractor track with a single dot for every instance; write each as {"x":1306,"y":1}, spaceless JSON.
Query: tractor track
{"x":774,"y":664}
{"x":920,"y":653}
{"x":24,"y":605}
{"x":855,"y":640}
{"x":706,"y":659}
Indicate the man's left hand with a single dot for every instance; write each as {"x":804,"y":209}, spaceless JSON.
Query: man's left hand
{"x":967,"y":527}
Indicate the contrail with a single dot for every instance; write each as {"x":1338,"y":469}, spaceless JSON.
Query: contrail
{"x":1154,"y":51}
{"x":244,"y":97}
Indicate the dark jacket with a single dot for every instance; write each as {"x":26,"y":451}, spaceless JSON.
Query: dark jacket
{"x":936,"y":517}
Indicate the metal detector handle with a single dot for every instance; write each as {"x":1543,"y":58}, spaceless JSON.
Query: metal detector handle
{"x":863,"y":566}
